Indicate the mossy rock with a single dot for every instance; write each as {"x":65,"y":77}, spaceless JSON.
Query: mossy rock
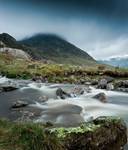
{"x":104,"y":133}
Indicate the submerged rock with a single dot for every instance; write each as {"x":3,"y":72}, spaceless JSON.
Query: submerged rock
{"x":101,"y":96}
{"x":8,"y":88}
{"x":104,"y":133}
{"x":19,"y":104}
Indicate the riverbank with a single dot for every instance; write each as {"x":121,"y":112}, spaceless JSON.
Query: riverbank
{"x":102,"y":133}
{"x":56,"y":73}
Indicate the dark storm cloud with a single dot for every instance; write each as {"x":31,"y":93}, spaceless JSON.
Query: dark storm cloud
{"x":111,"y":8}
{"x":93,"y":25}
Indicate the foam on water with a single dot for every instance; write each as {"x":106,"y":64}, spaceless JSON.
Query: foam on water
{"x":3,"y":80}
{"x":82,"y":107}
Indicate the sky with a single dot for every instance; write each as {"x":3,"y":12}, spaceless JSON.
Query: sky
{"x":99,"y":27}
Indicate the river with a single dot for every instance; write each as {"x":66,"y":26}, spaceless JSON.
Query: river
{"x":67,"y":112}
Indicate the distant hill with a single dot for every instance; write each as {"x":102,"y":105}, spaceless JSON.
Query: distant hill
{"x":49,"y":47}
{"x":117,"y":61}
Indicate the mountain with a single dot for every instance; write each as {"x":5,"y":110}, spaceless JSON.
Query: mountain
{"x":49,"y":47}
{"x":121,"y":61}
{"x":55,"y":48}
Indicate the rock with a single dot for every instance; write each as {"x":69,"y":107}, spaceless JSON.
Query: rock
{"x":62,"y":94}
{"x":77,"y":91}
{"x":17,"y":53}
{"x":102,"y":84}
{"x":104,"y":133}
{"x":110,"y":86}
{"x":121,"y":84}
{"x":94,"y":82}
{"x":8,"y":88}
{"x":38,"y":79}
{"x":26,"y":116}
{"x":43,"y":98}
{"x":19,"y":104}
{"x":101,"y":96}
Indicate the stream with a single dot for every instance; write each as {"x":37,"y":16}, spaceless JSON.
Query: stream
{"x":47,"y":106}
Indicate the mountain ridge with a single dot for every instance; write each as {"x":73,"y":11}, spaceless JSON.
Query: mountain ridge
{"x":49,"y":47}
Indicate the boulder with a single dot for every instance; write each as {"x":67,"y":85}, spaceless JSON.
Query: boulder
{"x":62,"y":94}
{"x":110,"y":86}
{"x":19,"y":104}
{"x":101,"y":96}
{"x":102,"y":84}
{"x":104,"y":133}
{"x":8,"y":88}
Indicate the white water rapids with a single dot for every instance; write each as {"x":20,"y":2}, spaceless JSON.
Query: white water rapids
{"x":75,"y":109}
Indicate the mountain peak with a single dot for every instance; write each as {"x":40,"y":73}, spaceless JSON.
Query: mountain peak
{"x":55,"y":48}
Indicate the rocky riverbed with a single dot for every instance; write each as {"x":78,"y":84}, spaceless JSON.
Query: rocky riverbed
{"x":65,"y":105}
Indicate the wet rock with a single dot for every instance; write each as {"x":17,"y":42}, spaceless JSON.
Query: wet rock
{"x":26,"y":116}
{"x":110,"y":86}
{"x":77,"y":91}
{"x":62,"y":94}
{"x":102,"y":84}
{"x":94,"y":82}
{"x":101,"y":96}
{"x":19,"y":104}
{"x":38,"y":79}
{"x":8,"y":88}
{"x":121,"y":84}
{"x":43,"y":98}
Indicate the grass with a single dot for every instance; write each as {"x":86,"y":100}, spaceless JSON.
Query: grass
{"x":36,"y":136}
{"x":26,"y":69}
{"x":20,"y":136}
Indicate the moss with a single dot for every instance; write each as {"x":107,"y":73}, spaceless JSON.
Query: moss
{"x":86,"y":127}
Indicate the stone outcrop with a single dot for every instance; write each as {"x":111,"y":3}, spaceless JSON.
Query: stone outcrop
{"x":101,"y":96}
{"x":18,"y":53}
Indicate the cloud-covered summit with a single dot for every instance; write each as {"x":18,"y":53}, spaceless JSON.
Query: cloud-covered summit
{"x":97,"y":26}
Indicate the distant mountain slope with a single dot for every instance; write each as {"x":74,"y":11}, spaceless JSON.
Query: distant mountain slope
{"x":117,"y":61}
{"x":57,"y":49}
{"x":49,"y":47}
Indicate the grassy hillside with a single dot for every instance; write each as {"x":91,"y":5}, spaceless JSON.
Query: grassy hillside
{"x":19,"y":68}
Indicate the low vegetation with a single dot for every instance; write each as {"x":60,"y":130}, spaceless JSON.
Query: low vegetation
{"x":36,"y":136}
{"x":26,"y":69}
